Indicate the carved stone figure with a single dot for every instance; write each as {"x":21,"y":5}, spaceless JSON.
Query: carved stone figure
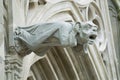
{"x":57,"y":34}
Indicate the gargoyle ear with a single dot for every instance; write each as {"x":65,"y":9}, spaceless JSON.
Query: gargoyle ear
{"x":77,"y":26}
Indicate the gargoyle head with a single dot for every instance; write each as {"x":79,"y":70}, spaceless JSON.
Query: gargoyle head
{"x":88,"y":32}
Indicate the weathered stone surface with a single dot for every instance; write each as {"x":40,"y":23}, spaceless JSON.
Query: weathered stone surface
{"x":57,"y":34}
{"x":60,"y":63}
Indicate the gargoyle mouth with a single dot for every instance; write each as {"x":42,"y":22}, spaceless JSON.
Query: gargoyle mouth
{"x":93,"y":36}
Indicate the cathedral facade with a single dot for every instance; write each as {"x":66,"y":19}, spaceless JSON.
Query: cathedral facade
{"x":101,"y":60}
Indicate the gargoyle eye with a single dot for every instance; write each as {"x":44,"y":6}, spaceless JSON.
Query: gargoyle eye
{"x":95,"y":30}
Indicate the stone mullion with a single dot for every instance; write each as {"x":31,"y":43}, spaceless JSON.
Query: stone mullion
{"x":98,"y":63}
{"x":52,"y":58}
{"x":113,"y":66}
{"x":10,"y":22}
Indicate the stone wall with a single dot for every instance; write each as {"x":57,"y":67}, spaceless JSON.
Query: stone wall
{"x":100,"y":62}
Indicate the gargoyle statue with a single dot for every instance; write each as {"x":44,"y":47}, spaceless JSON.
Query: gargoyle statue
{"x":66,"y":34}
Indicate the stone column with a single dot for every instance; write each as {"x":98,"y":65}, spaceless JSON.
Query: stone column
{"x":13,"y":61}
{"x":2,"y":52}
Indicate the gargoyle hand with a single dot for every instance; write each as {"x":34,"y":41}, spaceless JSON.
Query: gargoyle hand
{"x":17,"y":31}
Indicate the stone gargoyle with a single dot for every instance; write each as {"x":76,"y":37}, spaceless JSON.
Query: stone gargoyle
{"x":66,"y":34}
